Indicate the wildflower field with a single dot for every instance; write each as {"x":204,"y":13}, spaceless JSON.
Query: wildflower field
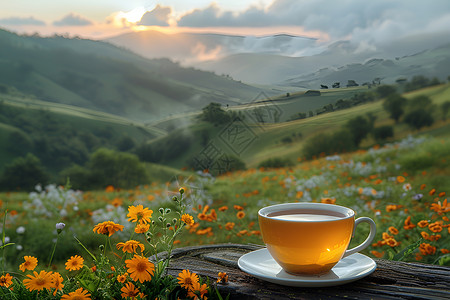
{"x":80,"y":240}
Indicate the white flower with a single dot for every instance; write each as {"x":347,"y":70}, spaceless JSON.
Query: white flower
{"x":20,"y":230}
{"x":19,"y":247}
{"x":60,"y":226}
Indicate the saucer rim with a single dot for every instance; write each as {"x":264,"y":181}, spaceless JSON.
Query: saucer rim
{"x":307,"y":282}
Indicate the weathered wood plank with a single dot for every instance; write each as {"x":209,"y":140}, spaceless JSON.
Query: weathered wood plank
{"x":391,"y":280}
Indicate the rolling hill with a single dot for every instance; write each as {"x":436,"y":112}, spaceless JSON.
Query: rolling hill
{"x":99,"y":76}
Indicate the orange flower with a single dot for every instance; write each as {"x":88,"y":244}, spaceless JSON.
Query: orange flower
{"x":427,"y":249}
{"x":240,"y":215}
{"x":131,"y":246}
{"x":441,"y":194}
{"x":423,"y":223}
{"x":441,"y":208}
{"x":423,"y":186}
{"x":299,"y":194}
{"x":328,"y":200}
{"x":393,"y":230}
{"x":229,"y":226}
{"x":29,"y":264}
{"x":139,"y":214}
{"x":400,"y":179}
{"x":445,"y":251}
{"x":108,"y":228}
{"x":392,"y":242}
{"x":187,"y":219}
{"x":408,"y":225}
{"x":38,"y":281}
{"x":109,"y":189}
{"x":223,"y":208}
{"x":222,"y":277}
{"x":432,"y":192}
{"x":122,"y":278}
{"x":129,"y":291}
{"x":386,"y":236}
{"x":238,"y":207}
{"x":79,"y":294}
{"x":141,"y":228}
{"x":377,"y":254}
{"x":6,"y":280}
{"x":57,"y":282}
{"x":117,"y":202}
{"x":436,"y":226}
{"x":140,"y":268}
{"x":186,"y":279}
{"x":198,"y":291}
{"x":74,"y":263}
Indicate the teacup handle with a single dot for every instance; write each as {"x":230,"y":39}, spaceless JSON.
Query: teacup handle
{"x":373,"y":230}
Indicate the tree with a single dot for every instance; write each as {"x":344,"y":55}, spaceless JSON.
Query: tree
{"x":394,"y":105}
{"x":23,"y":173}
{"x":351,"y":83}
{"x":326,"y":144}
{"x":445,"y":108}
{"x":109,"y":167}
{"x":359,"y":128}
{"x":337,"y":85}
{"x":384,"y":91}
{"x":214,"y":114}
{"x":419,"y":118}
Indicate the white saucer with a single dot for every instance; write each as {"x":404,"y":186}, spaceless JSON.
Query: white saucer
{"x":260,"y":264}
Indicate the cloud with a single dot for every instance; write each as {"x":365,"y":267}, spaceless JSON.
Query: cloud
{"x":72,"y":20}
{"x":159,"y":16}
{"x":344,"y":19}
{"x":16,"y":21}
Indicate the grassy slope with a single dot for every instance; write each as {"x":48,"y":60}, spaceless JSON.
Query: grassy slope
{"x":268,"y":137}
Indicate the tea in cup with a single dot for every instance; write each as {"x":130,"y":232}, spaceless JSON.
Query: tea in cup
{"x":310,"y":238}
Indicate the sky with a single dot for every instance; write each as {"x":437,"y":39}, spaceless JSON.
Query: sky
{"x":365,"y":21}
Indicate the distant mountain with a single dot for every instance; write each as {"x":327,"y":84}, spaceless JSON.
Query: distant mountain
{"x":429,"y":63}
{"x":100,"y":76}
{"x":192,"y":48}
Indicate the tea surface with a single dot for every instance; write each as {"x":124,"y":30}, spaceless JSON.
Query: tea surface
{"x":306,"y":215}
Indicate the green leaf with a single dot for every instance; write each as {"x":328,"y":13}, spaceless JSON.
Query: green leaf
{"x":443,"y":260}
{"x":407,"y":251}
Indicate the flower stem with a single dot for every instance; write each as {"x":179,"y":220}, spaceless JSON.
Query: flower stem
{"x":53,"y":252}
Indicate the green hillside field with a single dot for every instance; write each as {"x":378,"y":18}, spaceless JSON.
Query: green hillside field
{"x":268,"y":140}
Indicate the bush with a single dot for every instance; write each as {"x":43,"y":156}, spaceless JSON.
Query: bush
{"x":275,"y":162}
{"x":394,"y":105}
{"x":23,"y":173}
{"x":419,"y":118}
{"x":383,"y":132}
{"x":326,"y":144}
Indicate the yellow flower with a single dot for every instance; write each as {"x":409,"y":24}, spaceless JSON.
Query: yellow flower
{"x":74,"y":263}
{"x":29,"y":264}
{"x":186,"y":279}
{"x":6,"y":280}
{"x":39,"y":281}
{"x":139,"y":214}
{"x":79,"y":294}
{"x":129,"y":291}
{"x":140,"y":268}
{"x":188,"y":219}
{"x":108,"y":228}
{"x":141,"y":228}
{"x":130,"y":246}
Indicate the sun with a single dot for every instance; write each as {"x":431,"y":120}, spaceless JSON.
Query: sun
{"x":133,"y":16}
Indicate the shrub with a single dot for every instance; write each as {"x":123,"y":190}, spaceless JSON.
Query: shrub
{"x":275,"y":162}
{"x":383,"y":132}
{"x":419,"y":118}
{"x":23,"y":173}
{"x":326,"y":144}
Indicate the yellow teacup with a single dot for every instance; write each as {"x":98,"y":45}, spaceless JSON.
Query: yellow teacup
{"x":310,"y":238}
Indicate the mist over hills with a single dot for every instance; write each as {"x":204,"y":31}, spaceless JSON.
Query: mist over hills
{"x":289,"y":59}
{"x":103,"y":77}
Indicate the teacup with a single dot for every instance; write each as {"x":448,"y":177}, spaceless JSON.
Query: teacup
{"x":310,"y":238}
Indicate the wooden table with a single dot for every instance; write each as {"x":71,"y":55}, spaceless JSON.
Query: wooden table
{"x":391,"y":279}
